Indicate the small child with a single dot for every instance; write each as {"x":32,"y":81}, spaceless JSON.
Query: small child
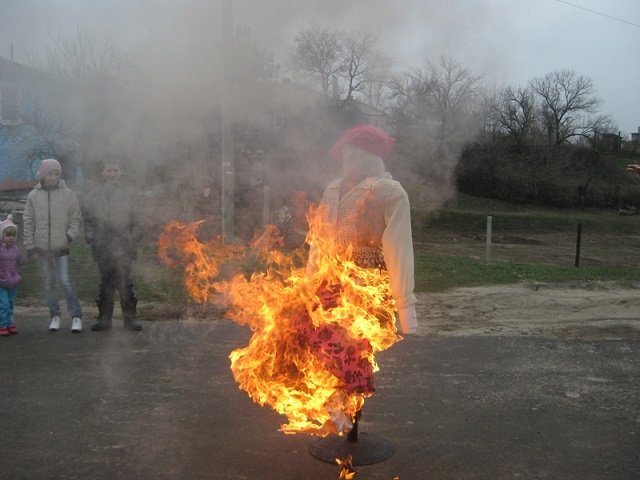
{"x":10,"y":258}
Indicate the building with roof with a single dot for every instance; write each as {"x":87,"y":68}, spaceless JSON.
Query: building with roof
{"x":38,"y":119}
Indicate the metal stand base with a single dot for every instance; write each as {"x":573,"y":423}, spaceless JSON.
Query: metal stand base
{"x":367,"y":450}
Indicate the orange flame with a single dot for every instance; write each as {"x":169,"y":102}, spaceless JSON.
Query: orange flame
{"x":347,"y":471}
{"x":289,"y":306}
{"x":179,"y":246}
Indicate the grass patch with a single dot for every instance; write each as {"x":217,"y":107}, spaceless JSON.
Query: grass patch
{"x":540,"y":222}
{"x":153,"y":281}
{"x":470,"y":214}
{"x":440,"y":273}
{"x":157,"y":283}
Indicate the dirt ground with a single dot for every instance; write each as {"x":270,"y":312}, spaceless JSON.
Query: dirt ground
{"x":596,"y":311}
{"x":593,"y":310}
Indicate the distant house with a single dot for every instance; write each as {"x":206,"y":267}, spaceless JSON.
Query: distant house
{"x":609,"y":142}
{"x":37,"y":120}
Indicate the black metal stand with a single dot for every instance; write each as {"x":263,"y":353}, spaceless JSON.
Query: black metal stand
{"x":364,"y":449}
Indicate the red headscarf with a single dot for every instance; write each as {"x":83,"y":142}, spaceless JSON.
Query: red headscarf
{"x":367,"y":137}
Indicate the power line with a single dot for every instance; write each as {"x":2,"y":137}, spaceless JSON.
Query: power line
{"x":598,"y":13}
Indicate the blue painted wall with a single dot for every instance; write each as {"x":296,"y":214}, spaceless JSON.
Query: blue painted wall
{"x":47,"y":124}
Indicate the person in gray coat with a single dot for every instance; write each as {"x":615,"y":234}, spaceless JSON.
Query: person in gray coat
{"x":113,"y":228}
{"x":52,"y":220}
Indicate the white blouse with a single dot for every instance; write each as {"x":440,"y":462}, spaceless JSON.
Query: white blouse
{"x":374,"y":217}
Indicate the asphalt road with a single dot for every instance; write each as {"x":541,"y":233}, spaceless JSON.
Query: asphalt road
{"x":163,"y":404}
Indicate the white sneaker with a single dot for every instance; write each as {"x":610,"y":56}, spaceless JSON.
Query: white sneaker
{"x":76,"y":325}
{"x":54,"y":326}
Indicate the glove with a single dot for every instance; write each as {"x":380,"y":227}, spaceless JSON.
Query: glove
{"x":408,"y":320}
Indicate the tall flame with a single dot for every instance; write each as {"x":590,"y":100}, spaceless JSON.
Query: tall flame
{"x":309,"y":322}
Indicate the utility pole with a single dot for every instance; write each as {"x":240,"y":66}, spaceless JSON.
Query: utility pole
{"x":228,"y":173}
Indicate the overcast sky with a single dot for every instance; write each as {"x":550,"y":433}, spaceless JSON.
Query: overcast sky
{"x":503,"y":41}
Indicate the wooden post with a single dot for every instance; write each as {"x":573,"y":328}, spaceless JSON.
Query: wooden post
{"x":578,"y":240}
{"x":487,"y":255}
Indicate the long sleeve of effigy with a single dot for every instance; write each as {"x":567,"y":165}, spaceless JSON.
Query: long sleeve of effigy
{"x":397,"y":245}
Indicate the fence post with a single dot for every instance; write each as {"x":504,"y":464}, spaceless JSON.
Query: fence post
{"x":578,"y":239}
{"x":487,"y":255}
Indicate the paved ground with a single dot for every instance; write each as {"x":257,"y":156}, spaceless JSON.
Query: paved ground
{"x":162,"y":404}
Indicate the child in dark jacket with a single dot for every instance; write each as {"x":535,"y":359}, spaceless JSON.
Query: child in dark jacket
{"x":10,"y":258}
{"x":113,"y":228}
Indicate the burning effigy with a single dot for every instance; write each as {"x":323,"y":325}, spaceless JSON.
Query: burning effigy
{"x":318,"y":318}
{"x":311,"y":356}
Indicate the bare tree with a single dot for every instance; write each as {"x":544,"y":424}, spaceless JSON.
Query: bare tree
{"x":362,"y":64}
{"x":48,"y":134}
{"x":250,"y":72}
{"x":81,"y":57}
{"x":566,"y":100}
{"x":376,"y":91}
{"x":452,"y":93}
{"x":96,"y":78}
{"x":318,"y":53}
{"x":437,"y":110}
{"x":514,"y":113}
{"x":45,"y":130}
{"x":410,"y":107}
{"x":345,"y":64}
{"x":444,"y":95}
{"x":50,"y":113}
{"x":251,"y":63}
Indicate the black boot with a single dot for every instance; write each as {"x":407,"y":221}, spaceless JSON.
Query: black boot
{"x":101,"y":325}
{"x":132,"y":325}
{"x":104,"y":318}
{"x":129,"y":313}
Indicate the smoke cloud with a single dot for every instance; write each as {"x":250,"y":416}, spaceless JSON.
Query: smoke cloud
{"x":173,"y":109}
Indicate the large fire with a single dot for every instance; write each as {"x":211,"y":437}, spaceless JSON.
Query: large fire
{"x":316,"y":324}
